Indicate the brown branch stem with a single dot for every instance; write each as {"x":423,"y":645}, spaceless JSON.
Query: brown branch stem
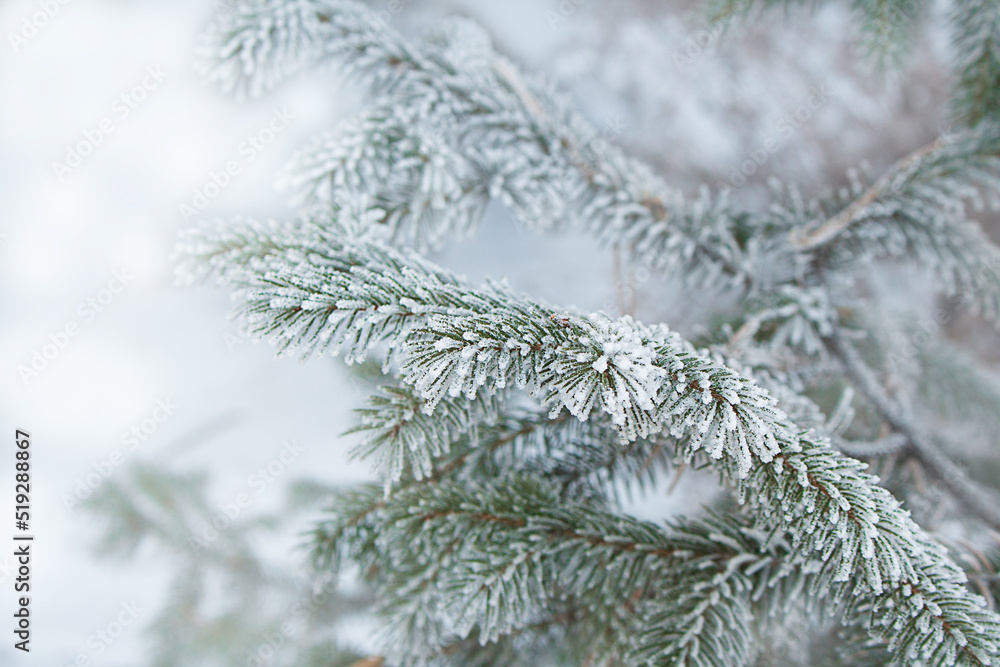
{"x":802,"y":240}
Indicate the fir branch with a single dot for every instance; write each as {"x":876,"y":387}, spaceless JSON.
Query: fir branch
{"x":489,"y":131}
{"x":516,"y":439}
{"x":418,"y":189}
{"x":453,"y":340}
{"x":401,"y":436}
{"x":548,"y":642}
{"x":625,"y":205}
{"x":452,"y":114}
{"x":887,"y":28}
{"x":514,"y":534}
{"x":873,"y":543}
{"x":719,"y":11}
{"x":255,"y":44}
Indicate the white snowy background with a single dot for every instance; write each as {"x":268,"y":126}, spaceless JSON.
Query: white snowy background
{"x":691,"y":101}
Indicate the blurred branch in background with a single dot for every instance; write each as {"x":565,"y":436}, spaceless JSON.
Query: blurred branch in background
{"x":229,"y":601}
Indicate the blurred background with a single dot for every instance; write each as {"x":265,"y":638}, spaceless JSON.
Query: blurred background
{"x":112,"y":143}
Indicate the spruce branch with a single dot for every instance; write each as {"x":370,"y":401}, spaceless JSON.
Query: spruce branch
{"x":569,"y":452}
{"x":399,"y":432}
{"x":887,"y":28}
{"x":720,"y":11}
{"x":452,"y":339}
{"x":807,"y":486}
{"x":511,"y":436}
{"x":515,"y":533}
{"x":255,"y":44}
{"x":461,"y":125}
{"x":901,"y":564}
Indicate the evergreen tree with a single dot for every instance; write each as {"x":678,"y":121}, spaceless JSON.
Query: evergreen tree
{"x":511,"y":427}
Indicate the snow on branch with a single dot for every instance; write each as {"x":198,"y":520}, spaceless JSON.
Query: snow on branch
{"x":255,"y":44}
{"x":918,"y":210}
{"x":507,"y":553}
{"x":451,"y":340}
{"x":452,"y":125}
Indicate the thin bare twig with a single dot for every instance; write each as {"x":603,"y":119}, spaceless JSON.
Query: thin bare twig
{"x":884,"y":447}
{"x":372,"y":661}
{"x":968,"y":492}
{"x":802,"y":240}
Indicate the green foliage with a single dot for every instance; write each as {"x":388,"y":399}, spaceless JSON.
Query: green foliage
{"x":887,"y":27}
{"x":400,"y":432}
{"x":517,"y":429}
{"x":977,"y":42}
